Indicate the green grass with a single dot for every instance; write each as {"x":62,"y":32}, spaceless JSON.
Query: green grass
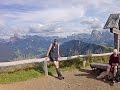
{"x":21,"y":75}
{"x":102,"y":59}
{"x":51,"y":69}
{"x":68,"y":65}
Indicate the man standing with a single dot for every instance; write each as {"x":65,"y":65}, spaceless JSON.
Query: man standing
{"x":53,"y":54}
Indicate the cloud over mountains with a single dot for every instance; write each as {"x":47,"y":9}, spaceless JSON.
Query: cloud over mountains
{"x":61,"y":17}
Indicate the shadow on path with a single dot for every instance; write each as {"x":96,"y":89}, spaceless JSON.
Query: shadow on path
{"x":92,"y":75}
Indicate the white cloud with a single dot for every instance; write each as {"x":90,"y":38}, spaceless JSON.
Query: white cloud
{"x":93,"y":23}
{"x":55,"y":10}
{"x":103,"y":6}
{"x":43,"y":19}
{"x":48,"y":15}
{"x":2,"y":24}
{"x":100,"y":5}
{"x":55,"y":30}
{"x":10,"y":2}
{"x":37,"y":28}
{"x":16,"y":30}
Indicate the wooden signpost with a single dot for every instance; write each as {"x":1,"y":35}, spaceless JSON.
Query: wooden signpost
{"x":113,"y":23}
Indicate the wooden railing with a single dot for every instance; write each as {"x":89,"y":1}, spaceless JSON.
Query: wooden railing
{"x":28,"y":61}
{"x":82,"y":56}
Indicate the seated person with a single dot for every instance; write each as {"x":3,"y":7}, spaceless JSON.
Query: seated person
{"x":113,"y":63}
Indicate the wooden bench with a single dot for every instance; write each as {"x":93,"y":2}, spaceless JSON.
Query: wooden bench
{"x":96,"y":65}
{"x":102,"y":66}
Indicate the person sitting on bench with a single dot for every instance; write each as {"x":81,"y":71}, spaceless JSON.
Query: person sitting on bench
{"x":113,"y":63}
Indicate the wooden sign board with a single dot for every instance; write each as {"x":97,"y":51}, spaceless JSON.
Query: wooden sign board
{"x":114,"y":30}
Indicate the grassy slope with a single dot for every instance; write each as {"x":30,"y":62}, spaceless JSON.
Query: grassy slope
{"x":18,"y":76}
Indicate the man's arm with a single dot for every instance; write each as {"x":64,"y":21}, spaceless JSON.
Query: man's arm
{"x":58,"y":50}
{"x":110,"y":60}
{"x":49,"y":49}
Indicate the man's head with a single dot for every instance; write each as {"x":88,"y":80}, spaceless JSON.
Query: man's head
{"x":115,"y":51}
{"x":55,"y":41}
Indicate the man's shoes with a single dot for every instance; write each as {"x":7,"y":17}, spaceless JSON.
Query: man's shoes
{"x":113,"y":81}
{"x":60,"y":77}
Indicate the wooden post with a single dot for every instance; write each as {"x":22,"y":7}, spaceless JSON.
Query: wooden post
{"x":116,"y":41}
{"x":118,"y":45}
{"x":45,"y":68}
{"x":84,"y":62}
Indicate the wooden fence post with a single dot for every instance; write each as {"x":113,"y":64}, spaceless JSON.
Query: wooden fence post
{"x":45,"y":68}
{"x":84,"y":62}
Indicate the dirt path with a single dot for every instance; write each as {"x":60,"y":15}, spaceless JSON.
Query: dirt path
{"x":75,"y":80}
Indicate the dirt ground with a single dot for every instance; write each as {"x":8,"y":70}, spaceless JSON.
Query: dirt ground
{"x":75,"y":80}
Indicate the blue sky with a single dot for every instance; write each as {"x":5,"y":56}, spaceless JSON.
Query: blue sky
{"x":54,"y":17}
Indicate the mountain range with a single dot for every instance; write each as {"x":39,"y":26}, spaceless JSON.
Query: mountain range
{"x":96,"y":37}
{"x":17,"y":48}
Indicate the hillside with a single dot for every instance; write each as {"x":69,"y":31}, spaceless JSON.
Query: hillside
{"x":76,"y":47}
